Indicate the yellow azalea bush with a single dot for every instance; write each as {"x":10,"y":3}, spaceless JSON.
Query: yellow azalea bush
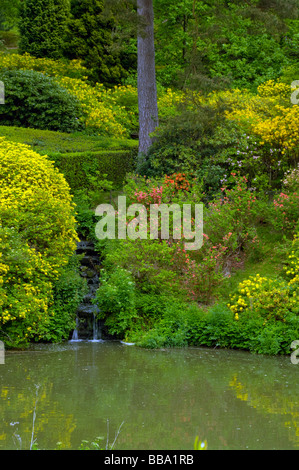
{"x":271,"y":299}
{"x":73,"y":68}
{"x":281,"y":130}
{"x":168,"y":102}
{"x":270,"y":115}
{"x":115,"y":111}
{"x":100,"y":113}
{"x":37,"y":239}
{"x":110,"y":112}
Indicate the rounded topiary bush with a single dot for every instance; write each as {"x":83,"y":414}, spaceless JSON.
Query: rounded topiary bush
{"x":37,"y":240}
{"x":33,"y":99}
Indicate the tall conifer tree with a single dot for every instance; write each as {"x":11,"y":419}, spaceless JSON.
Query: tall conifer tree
{"x":90,"y":37}
{"x":43,"y":26}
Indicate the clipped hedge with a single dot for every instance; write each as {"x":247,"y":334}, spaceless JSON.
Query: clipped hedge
{"x":45,"y":141}
{"x":78,"y":167}
{"x":79,"y":156}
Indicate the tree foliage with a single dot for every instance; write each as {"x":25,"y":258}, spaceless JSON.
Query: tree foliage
{"x":43,"y":27}
{"x":213,"y":43}
{"x":90,"y":38}
{"x":9,"y":14}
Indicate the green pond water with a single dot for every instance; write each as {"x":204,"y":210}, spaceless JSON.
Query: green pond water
{"x":164,"y":398}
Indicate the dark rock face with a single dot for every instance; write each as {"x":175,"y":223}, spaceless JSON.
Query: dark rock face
{"x":88,"y":326}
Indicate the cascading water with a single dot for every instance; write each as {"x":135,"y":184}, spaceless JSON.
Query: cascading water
{"x":88,"y":326}
{"x":97,"y":334}
{"x":75,"y":336}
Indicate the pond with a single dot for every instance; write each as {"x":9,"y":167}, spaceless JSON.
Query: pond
{"x":156,"y":399}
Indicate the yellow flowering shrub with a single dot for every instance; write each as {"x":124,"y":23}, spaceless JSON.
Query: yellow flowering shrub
{"x":272,"y":299}
{"x":109,"y":112}
{"x":274,"y":90}
{"x":281,"y":129}
{"x":37,"y":238}
{"x":73,"y":68}
{"x":100,"y":113}
{"x":115,"y":111}
{"x":270,"y":115}
{"x":168,"y":101}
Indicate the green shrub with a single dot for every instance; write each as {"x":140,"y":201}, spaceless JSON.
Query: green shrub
{"x":79,"y":167}
{"x":151,"y":306}
{"x":150,"y":262}
{"x":286,"y":211}
{"x":213,"y":327}
{"x":116,"y":301}
{"x":188,"y":325}
{"x":85,"y":216}
{"x":184,"y":142}
{"x":9,"y":38}
{"x":35,"y":100}
{"x":169,"y":330}
{"x":271,"y":339}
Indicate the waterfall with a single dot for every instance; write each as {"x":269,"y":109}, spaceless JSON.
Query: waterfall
{"x":87,"y":323}
{"x":97,"y":333}
{"x":75,"y":336}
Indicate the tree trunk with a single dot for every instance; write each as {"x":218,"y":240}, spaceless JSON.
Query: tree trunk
{"x":147,"y":88}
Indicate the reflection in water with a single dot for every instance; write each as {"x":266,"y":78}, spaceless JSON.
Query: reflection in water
{"x":164,"y":398}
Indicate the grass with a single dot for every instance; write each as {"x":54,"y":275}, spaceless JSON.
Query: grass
{"x":10,"y":39}
{"x":43,"y":141}
{"x":268,"y":262}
